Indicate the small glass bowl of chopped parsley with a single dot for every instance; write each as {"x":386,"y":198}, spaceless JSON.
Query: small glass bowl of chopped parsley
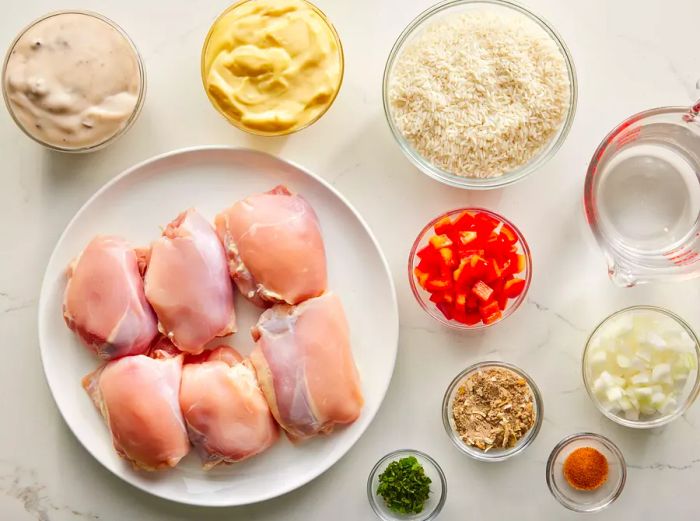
{"x":407,"y":484}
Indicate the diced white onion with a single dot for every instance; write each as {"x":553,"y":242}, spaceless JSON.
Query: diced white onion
{"x":639,"y":364}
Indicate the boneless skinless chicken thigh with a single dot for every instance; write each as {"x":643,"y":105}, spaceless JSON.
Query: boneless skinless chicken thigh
{"x":188,"y":284}
{"x":274,"y":245}
{"x":138,"y":398}
{"x":227,"y":417}
{"x":305,"y":366}
{"x":104,"y":301}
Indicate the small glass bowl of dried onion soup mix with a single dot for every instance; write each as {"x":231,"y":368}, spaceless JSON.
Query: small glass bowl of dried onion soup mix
{"x":492,"y":411}
{"x":411,"y":466}
{"x":586,"y":472}
{"x":470,"y":268}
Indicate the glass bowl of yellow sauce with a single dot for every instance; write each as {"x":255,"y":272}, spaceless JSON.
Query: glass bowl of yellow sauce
{"x":272,"y":67}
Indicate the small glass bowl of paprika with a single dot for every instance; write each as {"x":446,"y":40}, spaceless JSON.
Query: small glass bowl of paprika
{"x":586,"y":472}
{"x":470,"y":268}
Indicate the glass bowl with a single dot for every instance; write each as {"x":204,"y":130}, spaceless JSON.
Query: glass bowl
{"x":292,"y":130}
{"x":492,"y":455}
{"x":137,"y":108}
{"x":423,"y":297}
{"x":688,"y":394}
{"x":438,"y":487}
{"x":448,"y":8}
{"x":586,"y":500}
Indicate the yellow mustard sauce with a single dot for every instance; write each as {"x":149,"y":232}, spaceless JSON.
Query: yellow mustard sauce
{"x":272,"y":66}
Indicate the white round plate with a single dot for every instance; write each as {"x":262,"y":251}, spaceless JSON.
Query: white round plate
{"x":146,"y":197}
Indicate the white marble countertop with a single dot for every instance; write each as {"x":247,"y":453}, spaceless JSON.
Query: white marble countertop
{"x":630,"y":56}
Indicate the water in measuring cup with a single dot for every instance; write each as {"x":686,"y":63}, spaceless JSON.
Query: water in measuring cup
{"x":649,"y":193}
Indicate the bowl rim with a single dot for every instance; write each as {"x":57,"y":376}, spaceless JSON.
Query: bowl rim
{"x":499,"y":455}
{"x":510,"y":309}
{"x":662,"y":420}
{"x":560,"y":446}
{"x":143,"y":84}
{"x":372,"y":497}
{"x":508,"y":178}
{"x":293,"y":130}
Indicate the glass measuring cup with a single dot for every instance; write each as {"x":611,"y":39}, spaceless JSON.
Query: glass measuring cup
{"x":642,"y":196}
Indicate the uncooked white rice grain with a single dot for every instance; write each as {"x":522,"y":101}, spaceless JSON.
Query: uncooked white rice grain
{"x":480,"y":94}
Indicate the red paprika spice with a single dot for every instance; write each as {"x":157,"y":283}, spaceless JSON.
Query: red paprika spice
{"x":586,"y":468}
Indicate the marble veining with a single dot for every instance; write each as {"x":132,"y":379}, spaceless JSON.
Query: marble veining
{"x":23,"y":485}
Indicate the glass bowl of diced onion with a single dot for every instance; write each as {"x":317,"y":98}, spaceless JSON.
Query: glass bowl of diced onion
{"x":451,"y":8}
{"x":484,"y":284}
{"x":640,"y":366}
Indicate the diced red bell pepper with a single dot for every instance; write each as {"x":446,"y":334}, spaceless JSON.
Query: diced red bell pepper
{"x":460,"y":300}
{"x":504,"y":266}
{"x":421,"y":276}
{"x":445,"y":309}
{"x":516,"y":264}
{"x":494,"y":271}
{"x":433,"y":285}
{"x":467,"y":237}
{"x":458,"y":314}
{"x":498,"y":294}
{"x":473,"y":269}
{"x":463,"y":264}
{"x":470,"y":267}
{"x":494,"y":317}
{"x":443,"y":226}
{"x":471,"y":319}
{"x":482,"y":290}
{"x":467,"y":250}
{"x":447,"y":256}
{"x":440,"y":241}
{"x":514,"y":287}
{"x":426,"y":252}
{"x":478,"y":266}
{"x":464,"y":221}
{"x":428,"y":255}
{"x":442,"y":296}
{"x":467,"y":318}
{"x":502,"y":300}
{"x":490,"y":312}
{"x":508,"y":234}
{"x":484,"y":224}
{"x":489,"y":309}
{"x":429,"y":267}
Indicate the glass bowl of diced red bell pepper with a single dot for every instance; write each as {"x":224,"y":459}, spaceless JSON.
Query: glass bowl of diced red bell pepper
{"x":470,"y":268}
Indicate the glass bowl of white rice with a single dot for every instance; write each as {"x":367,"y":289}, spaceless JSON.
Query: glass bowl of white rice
{"x":479,"y":93}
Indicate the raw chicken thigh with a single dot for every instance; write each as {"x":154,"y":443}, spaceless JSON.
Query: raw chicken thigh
{"x":274,"y":245}
{"x":104,"y":302}
{"x":188,"y":284}
{"x":227,"y":417}
{"x":138,"y":398}
{"x":305,"y":367}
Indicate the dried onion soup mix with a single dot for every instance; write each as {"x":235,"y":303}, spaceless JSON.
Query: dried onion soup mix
{"x":481,"y":93}
{"x":493,"y":409}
